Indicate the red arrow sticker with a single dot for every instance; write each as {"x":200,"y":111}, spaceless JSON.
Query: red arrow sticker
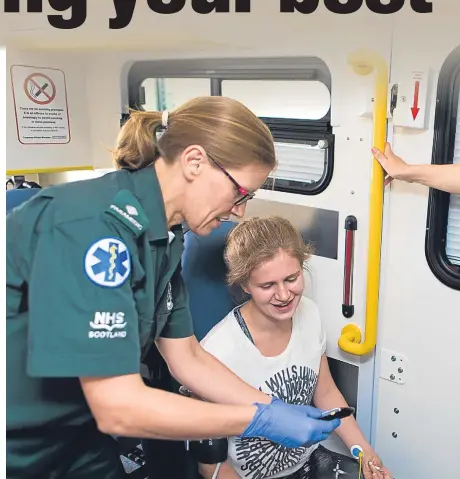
{"x":415,"y":109}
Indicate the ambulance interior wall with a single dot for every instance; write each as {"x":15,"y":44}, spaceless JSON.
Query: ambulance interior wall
{"x":418,"y":315}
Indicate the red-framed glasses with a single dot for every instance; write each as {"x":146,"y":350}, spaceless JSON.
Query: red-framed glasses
{"x":245,"y":195}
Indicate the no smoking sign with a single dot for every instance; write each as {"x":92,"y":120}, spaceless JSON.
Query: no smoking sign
{"x":40,"y":100}
{"x":40,"y":88}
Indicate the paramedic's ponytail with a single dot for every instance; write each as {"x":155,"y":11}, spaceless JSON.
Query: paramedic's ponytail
{"x":137,"y":145}
{"x":231,"y":133}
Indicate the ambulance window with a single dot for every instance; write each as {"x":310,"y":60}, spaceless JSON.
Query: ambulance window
{"x":443,"y":228}
{"x":296,"y":112}
{"x":303,"y":166}
{"x":453,"y":220}
{"x":291,"y":95}
{"x":169,"y":93}
{"x":307,"y":100}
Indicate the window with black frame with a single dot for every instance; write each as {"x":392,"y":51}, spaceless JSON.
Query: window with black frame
{"x":297,"y":113}
{"x":443,"y":222}
{"x":453,"y":219}
{"x":292,"y":96}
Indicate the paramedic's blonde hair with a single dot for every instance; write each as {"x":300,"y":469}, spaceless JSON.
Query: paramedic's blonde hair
{"x":225,"y":128}
{"x":256,"y":240}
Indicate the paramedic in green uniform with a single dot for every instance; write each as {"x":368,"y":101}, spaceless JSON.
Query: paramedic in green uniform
{"x":94,"y":282}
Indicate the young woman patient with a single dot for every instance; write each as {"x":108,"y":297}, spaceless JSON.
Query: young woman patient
{"x":275,"y":342}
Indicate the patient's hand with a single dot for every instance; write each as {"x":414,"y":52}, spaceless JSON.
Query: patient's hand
{"x":225,"y":472}
{"x":374,"y":469}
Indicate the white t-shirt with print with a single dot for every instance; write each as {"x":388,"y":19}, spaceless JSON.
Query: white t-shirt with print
{"x":290,"y":376}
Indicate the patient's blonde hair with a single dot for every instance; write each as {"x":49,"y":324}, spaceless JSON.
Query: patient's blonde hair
{"x":256,"y":240}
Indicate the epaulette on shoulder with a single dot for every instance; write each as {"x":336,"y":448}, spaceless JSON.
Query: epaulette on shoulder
{"x":126,"y":208}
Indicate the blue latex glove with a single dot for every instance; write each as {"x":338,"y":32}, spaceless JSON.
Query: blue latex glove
{"x":289,"y":425}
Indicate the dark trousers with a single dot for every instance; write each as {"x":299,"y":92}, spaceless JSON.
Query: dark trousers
{"x":165,"y":459}
{"x":72,"y":452}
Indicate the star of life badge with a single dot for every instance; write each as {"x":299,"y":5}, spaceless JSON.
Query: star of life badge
{"x":108,"y":263}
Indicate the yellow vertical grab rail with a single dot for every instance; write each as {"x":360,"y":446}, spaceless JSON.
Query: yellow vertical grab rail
{"x":364,"y":63}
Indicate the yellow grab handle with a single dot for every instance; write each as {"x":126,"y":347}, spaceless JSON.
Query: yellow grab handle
{"x":363,"y":63}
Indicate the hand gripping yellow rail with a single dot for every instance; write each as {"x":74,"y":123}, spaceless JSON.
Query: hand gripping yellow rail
{"x":364,"y":63}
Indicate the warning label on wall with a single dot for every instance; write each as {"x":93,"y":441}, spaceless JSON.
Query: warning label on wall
{"x":40,"y":101}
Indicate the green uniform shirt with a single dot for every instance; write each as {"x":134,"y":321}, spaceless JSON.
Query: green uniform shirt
{"x":93,"y":277}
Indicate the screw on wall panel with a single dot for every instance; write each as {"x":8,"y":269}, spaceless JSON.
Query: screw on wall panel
{"x":400,"y":370}
{"x":395,"y":435}
{"x":360,"y":139}
{"x":403,"y":99}
{"x":392,"y":376}
{"x":393,"y":358}
{"x":352,"y":192}
{"x":348,"y":137}
{"x":396,"y":410}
